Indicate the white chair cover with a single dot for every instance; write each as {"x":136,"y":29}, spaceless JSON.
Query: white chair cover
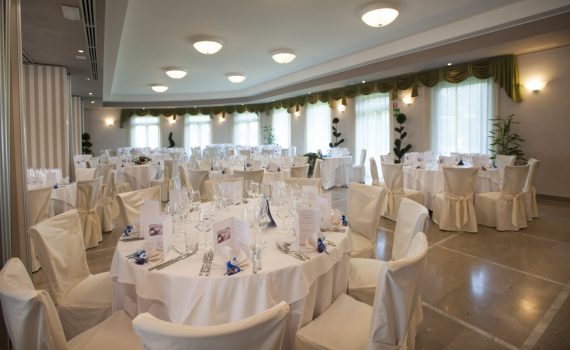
{"x":254,"y":175}
{"x":374,"y":172}
{"x":88,"y":196}
{"x":389,"y":324}
{"x":38,"y":211}
{"x":501,"y":161}
{"x":93,"y":162}
{"x":454,"y":209}
{"x":205,"y":164}
{"x":209,"y":187}
{"x":263,"y":331}
{"x":197,"y":178}
{"x":505,"y":210}
{"x":364,"y":205}
{"x":530,"y":191}
{"x":169,"y":180}
{"x":300,"y":160}
{"x":105,"y":171}
{"x":130,"y":203}
{"x":83,"y":299}
{"x":300,"y":171}
{"x":245,"y":153}
{"x":184,"y":177}
{"x":317,"y":168}
{"x":394,"y":183}
{"x":315,"y":182}
{"x":108,"y":208}
{"x":387,"y":158}
{"x":359,"y":170}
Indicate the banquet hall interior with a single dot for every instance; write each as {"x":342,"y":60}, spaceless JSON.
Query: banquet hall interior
{"x":271,"y":174}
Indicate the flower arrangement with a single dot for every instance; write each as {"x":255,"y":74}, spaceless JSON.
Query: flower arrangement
{"x":140,"y":160}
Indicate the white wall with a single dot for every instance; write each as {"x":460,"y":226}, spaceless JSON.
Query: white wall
{"x":105,"y":137}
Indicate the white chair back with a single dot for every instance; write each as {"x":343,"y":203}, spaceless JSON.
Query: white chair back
{"x":205,"y":164}
{"x":88,"y":196}
{"x":254,"y":175}
{"x":362,"y":157}
{"x":209,"y":188}
{"x":300,"y":182}
{"x":459,"y":182}
{"x":387,"y":158}
{"x":479,"y":161}
{"x":197,"y":178}
{"x":456,"y":212}
{"x":374,"y":172}
{"x":38,"y":204}
{"x":300,"y":171}
{"x":60,"y":248}
{"x":300,"y":160}
{"x":105,"y":171}
{"x":412,"y":218}
{"x":533,"y":169}
{"x":397,"y":296}
{"x":317,"y":168}
{"x":393,"y":177}
{"x":110,"y":153}
{"x":184,"y":177}
{"x":501,"y":161}
{"x":30,"y":315}
{"x":262,"y":331}
{"x":130,"y":203}
{"x":364,"y":205}
{"x":245,"y":153}
{"x":170,"y":167}
{"x":515,"y":179}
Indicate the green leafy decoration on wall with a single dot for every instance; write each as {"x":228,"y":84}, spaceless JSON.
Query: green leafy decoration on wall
{"x":336,"y":134}
{"x":399,"y":149}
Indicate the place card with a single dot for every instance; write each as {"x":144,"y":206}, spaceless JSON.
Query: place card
{"x":231,"y":238}
{"x":308,"y":226}
{"x":157,"y":232}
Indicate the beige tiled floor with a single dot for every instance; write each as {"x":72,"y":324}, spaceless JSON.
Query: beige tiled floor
{"x":491,"y":290}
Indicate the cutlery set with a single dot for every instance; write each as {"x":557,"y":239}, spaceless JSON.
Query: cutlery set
{"x":286,"y":249}
{"x":207,"y":263}
{"x":175,"y":260}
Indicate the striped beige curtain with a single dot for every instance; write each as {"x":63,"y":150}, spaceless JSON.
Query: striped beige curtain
{"x":47,"y":112}
{"x":76,"y":124}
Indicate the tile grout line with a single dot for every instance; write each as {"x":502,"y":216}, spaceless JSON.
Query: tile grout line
{"x":505,"y":266}
{"x":470,"y":326}
{"x":546,"y":319}
{"x":543,"y":238}
{"x":436,"y":244}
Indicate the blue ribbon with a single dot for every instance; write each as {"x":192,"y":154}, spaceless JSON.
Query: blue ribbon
{"x":128,"y":229}
{"x":321,"y":246}
{"x":232,"y":267}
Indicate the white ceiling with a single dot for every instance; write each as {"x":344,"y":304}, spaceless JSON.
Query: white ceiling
{"x":144,"y":36}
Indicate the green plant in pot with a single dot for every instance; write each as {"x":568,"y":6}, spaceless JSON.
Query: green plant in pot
{"x":171,"y":143}
{"x":399,"y":149}
{"x":336,"y":134}
{"x":268,"y":135}
{"x":504,"y":140}
{"x":86,"y":143}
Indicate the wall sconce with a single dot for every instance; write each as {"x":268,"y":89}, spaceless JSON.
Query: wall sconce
{"x":535,"y":85}
{"x":171,"y":120}
{"x":297,"y":114}
{"x":109,"y":122}
{"x":222,"y":118}
{"x":408,"y":100}
{"x":341,"y":108}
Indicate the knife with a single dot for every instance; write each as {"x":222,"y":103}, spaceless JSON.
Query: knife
{"x":172,"y":261}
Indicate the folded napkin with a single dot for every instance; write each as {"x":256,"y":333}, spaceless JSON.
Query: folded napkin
{"x":460,"y":162}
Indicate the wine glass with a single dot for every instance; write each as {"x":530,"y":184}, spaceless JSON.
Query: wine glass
{"x":195,"y":199}
{"x":204,"y":226}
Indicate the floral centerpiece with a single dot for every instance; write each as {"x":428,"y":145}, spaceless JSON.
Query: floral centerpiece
{"x":140,"y":160}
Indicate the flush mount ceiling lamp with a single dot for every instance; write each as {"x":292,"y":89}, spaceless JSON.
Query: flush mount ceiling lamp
{"x":208,"y":45}
{"x":283,"y":56}
{"x":175,"y":72}
{"x":379,"y":14}
{"x":235,"y":77}
{"x":159,"y":87}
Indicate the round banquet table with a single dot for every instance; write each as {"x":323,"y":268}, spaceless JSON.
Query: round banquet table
{"x":335,"y":171}
{"x":268,"y":176}
{"x":430,"y":181}
{"x":177,"y":294}
{"x":139,"y":176}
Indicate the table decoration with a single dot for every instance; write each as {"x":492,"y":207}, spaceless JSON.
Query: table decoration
{"x":141,"y":160}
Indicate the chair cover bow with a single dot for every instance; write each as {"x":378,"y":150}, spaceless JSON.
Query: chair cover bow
{"x":462,"y":203}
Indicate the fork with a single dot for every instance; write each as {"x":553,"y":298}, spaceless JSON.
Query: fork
{"x":209,"y":263}
{"x":204,"y":262}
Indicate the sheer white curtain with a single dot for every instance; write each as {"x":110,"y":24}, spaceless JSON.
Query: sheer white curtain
{"x":246,"y":129}
{"x":197,"y":131}
{"x":460,"y":116}
{"x":372,"y":129}
{"x":281,"y":124}
{"x":145,"y":132}
{"x":318,"y":131}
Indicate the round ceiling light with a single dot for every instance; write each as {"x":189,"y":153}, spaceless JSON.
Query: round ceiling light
{"x":207,"y":45}
{"x":379,"y":14}
{"x":175,"y":72}
{"x":235,"y":77}
{"x":283,"y":56}
{"x":159,"y":88}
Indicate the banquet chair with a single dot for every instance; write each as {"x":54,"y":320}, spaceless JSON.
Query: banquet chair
{"x":93,"y":162}
{"x":253,"y":175}
{"x":205,"y":164}
{"x":364,"y":205}
{"x":245,"y":153}
{"x":197,"y":178}
{"x":363,"y":273}
{"x":169,"y":179}
{"x":505,"y":210}
{"x":394,"y":183}
{"x":453,"y":208}
{"x":130,"y":203}
{"x":530,"y":191}
{"x":300,"y":171}
{"x":38,"y":211}
{"x":209,"y":191}
{"x":83,"y":300}
{"x":88,"y":197}
{"x":387,"y":158}
{"x":389,"y":324}
{"x":230,"y":152}
{"x":105,"y":171}
{"x":359,"y":170}
{"x":300,"y":182}
{"x":300,"y":160}
{"x":184,"y":177}
{"x":267,"y":152}
{"x":110,"y":153}
{"x":108,"y":207}
{"x":374,"y":173}
{"x":285,"y":152}
{"x":501,"y":161}
{"x":32,"y":321}
{"x":263,"y":331}
{"x":317,"y":168}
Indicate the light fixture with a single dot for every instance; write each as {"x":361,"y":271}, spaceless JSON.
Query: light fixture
{"x":175,"y":72}
{"x":341,"y":108}
{"x":159,"y":88}
{"x":207,"y":45}
{"x":408,"y":100}
{"x":171,"y":120}
{"x":283,"y":56}
{"x":109,"y":121}
{"x":449,"y":63}
{"x":87,"y":78}
{"x":80,"y":51}
{"x":364,"y":82}
{"x":297,"y":114}
{"x":535,"y":85}
{"x":92,"y":101}
{"x":379,"y":14}
{"x":235,"y":77}
{"x":90,"y":94}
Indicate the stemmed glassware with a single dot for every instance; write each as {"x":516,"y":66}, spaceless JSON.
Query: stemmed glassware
{"x":206,"y":218}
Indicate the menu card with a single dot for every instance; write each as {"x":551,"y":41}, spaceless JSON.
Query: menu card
{"x":154,"y":227}
{"x":325,"y":206}
{"x":308,"y":226}
{"x":231,"y":238}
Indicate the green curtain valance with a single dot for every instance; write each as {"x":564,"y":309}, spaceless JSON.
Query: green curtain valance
{"x":503,"y":70}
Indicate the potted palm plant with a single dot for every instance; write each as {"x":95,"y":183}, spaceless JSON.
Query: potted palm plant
{"x":504,"y":140}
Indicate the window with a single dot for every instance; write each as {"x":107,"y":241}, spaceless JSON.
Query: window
{"x":196,"y":131}
{"x":460,"y":116}
{"x":281,"y":124}
{"x":145,"y":132}
{"x":372,"y":129}
{"x":318,"y":131}
{"x":246,"y":129}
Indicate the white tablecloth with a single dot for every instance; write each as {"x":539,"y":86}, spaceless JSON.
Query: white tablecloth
{"x":63,"y":198}
{"x":430,"y":182}
{"x":139,"y":176}
{"x":179,"y":295}
{"x":268,"y":177}
{"x":335,"y":171}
